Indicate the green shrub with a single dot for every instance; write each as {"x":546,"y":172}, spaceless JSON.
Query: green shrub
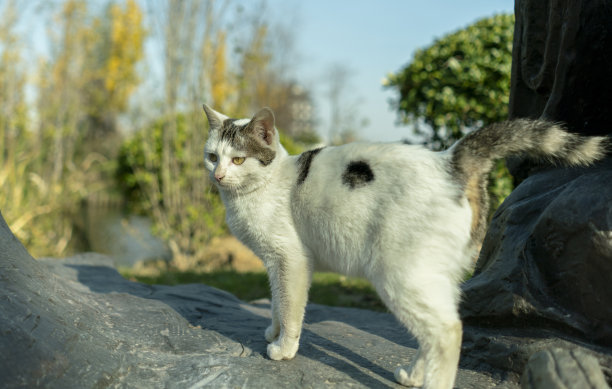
{"x":161,"y":173}
{"x":458,"y":83}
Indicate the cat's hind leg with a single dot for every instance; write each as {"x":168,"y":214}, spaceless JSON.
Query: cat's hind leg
{"x":427,"y":305}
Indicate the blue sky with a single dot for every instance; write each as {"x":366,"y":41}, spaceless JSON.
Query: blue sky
{"x":372,"y":39}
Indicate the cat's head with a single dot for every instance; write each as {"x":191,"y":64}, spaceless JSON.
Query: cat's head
{"x":238,"y":152}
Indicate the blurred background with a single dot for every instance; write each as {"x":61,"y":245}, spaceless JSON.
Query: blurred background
{"x":101,"y":127}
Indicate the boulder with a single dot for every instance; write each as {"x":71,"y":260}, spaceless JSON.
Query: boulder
{"x":542,"y":280}
{"x":562,"y":368}
{"x":76,"y":323}
{"x":547,"y":258}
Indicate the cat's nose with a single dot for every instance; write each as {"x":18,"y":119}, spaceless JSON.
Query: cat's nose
{"x":219,"y":177}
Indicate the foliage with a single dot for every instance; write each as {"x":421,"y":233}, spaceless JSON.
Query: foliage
{"x":86,"y":84}
{"x":295,"y":146}
{"x":13,"y":111}
{"x":186,"y":210}
{"x":327,"y":288}
{"x":161,"y":168}
{"x":38,"y":205}
{"x":117,"y":47}
{"x":460,"y":82}
{"x":46,"y":166}
{"x":58,"y":146}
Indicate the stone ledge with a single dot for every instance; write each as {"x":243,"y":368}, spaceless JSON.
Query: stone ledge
{"x":76,"y":323}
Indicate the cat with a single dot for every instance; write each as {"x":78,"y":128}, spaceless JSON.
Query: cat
{"x":408,"y":219}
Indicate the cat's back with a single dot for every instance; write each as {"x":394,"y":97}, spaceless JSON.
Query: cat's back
{"x":349,"y":201}
{"x":361,"y":182}
{"x":370,"y":170}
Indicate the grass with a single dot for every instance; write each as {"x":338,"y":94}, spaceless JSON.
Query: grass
{"x":327,"y":288}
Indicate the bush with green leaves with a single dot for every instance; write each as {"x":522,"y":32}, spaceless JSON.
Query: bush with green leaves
{"x":161,"y":174}
{"x":459,"y":83}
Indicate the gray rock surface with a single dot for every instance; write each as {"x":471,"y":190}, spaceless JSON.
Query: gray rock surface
{"x":547,"y":258}
{"x":76,"y":323}
{"x":562,"y":368}
{"x":543,"y":277}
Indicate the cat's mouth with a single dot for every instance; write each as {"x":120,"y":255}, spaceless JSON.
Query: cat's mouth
{"x":223,"y":184}
{"x":226,"y":185}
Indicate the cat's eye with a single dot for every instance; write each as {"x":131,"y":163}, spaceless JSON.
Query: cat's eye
{"x":238,"y":160}
{"x":212,"y":157}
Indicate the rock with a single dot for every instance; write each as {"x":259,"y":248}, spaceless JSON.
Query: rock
{"x":228,"y":252}
{"x":542,"y":279}
{"x":76,"y":323}
{"x":547,"y":257}
{"x":125,"y":238}
{"x":560,"y":369}
{"x":221,"y":253}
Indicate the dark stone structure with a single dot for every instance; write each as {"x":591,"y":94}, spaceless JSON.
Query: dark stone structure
{"x":561,"y":60}
{"x":546,"y":262}
{"x":561,"y":63}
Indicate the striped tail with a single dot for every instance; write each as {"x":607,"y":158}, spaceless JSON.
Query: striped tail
{"x":474,"y":155}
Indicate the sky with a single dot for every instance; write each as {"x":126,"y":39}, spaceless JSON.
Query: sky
{"x":372,"y":39}
{"x":369,"y":38}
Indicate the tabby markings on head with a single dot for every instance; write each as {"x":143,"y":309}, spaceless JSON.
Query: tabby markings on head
{"x":357,"y":174}
{"x":230,"y":131}
{"x":237,"y":133}
{"x":304,"y":162}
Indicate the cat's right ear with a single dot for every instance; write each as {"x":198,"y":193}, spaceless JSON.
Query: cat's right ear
{"x":215,"y":119}
{"x":262,"y":125}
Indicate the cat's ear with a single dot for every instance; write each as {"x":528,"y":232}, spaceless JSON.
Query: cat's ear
{"x":262,"y":125}
{"x":215,"y":119}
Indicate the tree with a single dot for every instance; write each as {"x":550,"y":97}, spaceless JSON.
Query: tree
{"x":264,"y":76}
{"x":458,"y":83}
{"x":345,"y":122}
{"x":87,"y":82}
{"x":13,"y":111}
{"x":117,"y":47}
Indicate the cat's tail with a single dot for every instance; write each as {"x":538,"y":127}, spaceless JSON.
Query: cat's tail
{"x":473,"y":157}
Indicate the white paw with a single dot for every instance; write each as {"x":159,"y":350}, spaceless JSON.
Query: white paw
{"x":271,"y":333}
{"x":408,"y":376}
{"x":282,"y":350}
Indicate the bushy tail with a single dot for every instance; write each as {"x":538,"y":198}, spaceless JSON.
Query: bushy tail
{"x":474,"y":155}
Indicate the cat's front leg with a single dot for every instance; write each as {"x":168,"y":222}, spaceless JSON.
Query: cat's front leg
{"x":289,"y":281}
{"x":413,"y":375}
{"x":273,"y":329}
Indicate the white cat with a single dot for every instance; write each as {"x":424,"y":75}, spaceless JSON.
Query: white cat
{"x":408,"y":219}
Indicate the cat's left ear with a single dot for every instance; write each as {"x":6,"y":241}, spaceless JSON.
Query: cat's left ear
{"x":262,"y":125}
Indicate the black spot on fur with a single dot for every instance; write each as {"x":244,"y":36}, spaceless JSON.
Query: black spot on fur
{"x":304,"y":162}
{"x":357,"y":174}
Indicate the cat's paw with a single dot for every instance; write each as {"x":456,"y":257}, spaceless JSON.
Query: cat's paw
{"x":271,"y":333}
{"x":410,"y":375}
{"x":279,"y":350}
